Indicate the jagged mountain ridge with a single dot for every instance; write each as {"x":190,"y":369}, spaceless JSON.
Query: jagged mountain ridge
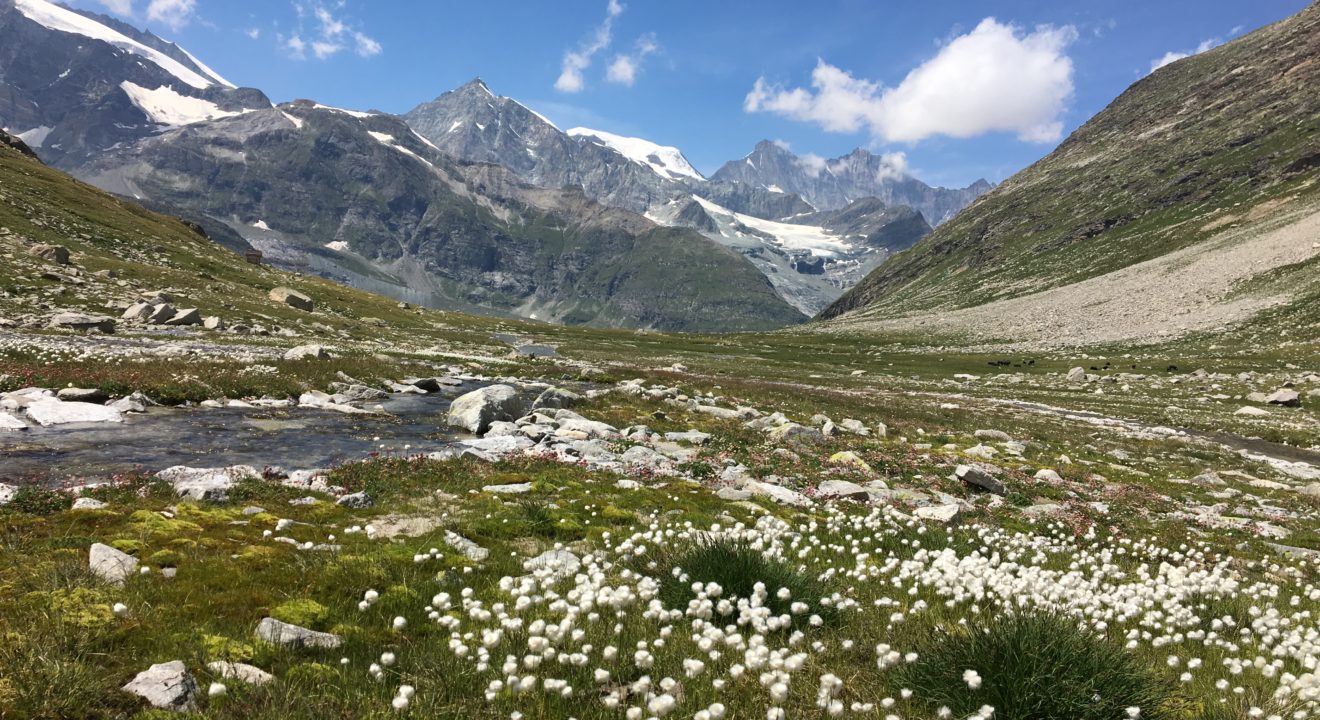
{"x":360,"y":198}
{"x":67,"y":76}
{"x":1220,"y":140}
{"x":835,"y":184}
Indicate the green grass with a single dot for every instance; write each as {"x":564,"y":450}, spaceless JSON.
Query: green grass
{"x":737,"y":568}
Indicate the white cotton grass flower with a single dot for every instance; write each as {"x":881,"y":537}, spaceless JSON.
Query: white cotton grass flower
{"x":120,"y":610}
{"x":972,"y":678}
{"x":217,"y":689}
{"x":400,"y":623}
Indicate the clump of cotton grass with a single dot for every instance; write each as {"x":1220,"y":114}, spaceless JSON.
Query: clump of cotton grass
{"x":1033,"y":665}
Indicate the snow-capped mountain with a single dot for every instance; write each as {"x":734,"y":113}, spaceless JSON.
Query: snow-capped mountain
{"x":667,"y":162}
{"x":836,"y":183}
{"x":77,"y":83}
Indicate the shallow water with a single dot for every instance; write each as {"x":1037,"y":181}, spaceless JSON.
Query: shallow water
{"x":293,"y":438}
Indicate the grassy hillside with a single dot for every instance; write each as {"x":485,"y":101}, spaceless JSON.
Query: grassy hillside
{"x":1228,"y":137}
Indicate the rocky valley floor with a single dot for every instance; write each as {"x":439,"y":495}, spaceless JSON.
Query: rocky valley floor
{"x":521,"y":521}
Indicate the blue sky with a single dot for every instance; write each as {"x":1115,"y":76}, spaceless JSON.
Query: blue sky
{"x":954,"y":90}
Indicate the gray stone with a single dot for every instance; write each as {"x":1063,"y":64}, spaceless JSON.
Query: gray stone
{"x":57,"y":254}
{"x":996,"y":435}
{"x":509,"y":489}
{"x":160,"y":314}
{"x":695,"y":437}
{"x":556,"y":398}
{"x":590,"y":428}
{"x":797,"y":435}
{"x":137,"y":311}
{"x":86,"y":503}
{"x":82,"y":322}
{"x":946,"y":514}
{"x":241,"y":672}
{"x":979,"y":478}
{"x":135,"y":403}
{"x":292,"y":636}
{"x":778,"y":493}
{"x":357,"y":501}
{"x":500,"y":444}
{"x":1048,"y":475}
{"x":856,"y":427}
{"x":7,"y":493}
{"x":1076,"y":375}
{"x":469,"y":549}
{"x":167,"y":686}
{"x":1285,"y":397}
{"x":733,"y":494}
{"x":50,"y":411}
{"x":209,"y":484}
{"x":307,"y":352}
{"x":213,"y":323}
{"x":84,"y":395}
{"x":1251,"y":411}
{"x":191,"y":316}
{"x":292,"y":298}
{"x":110,"y":564}
{"x":476,"y":410}
{"x":842,"y":489}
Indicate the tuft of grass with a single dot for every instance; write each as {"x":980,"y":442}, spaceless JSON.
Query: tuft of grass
{"x":737,"y":567}
{"x":1034,"y":665}
{"x":37,"y":500}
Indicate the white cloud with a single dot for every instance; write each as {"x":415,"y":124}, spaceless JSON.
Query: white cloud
{"x":811,"y":163}
{"x":893,"y":165}
{"x":996,"y":78}
{"x":333,"y":34}
{"x":576,"y":61}
{"x":118,"y":7}
{"x":623,"y":69}
{"x":173,"y":13}
{"x":253,"y":33}
{"x":1174,"y":55}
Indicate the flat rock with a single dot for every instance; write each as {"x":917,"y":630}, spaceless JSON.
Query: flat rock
{"x":307,"y":352}
{"x":850,"y":459}
{"x":82,"y":322}
{"x":556,"y":398}
{"x":1048,"y":475}
{"x":694,"y":437}
{"x":499,"y":444}
{"x":797,"y":435}
{"x":1285,"y":397}
{"x":1251,"y":411}
{"x":996,"y":435}
{"x":206,"y":484}
{"x":50,"y":411}
{"x":241,"y":672}
{"x":293,"y":636}
{"x":166,"y":685}
{"x":9,"y":423}
{"x":842,"y":489}
{"x":110,"y":564}
{"x":509,"y":489}
{"x":946,"y":514}
{"x":189,"y":316}
{"x":86,"y":503}
{"x":778,"y":493}
{"x":85,"y":395}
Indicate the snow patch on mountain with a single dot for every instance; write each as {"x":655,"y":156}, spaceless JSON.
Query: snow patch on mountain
{"x":61,"y":19}
{"x":36,"y":137}
{"x":816,"y":240}
{"x":391,"y":142}
{"x":667,"y":162}
{"x":354,"y":113}
{"x":167,"y":107}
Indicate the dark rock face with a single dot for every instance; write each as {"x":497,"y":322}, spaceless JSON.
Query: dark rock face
{"x":837,"y":183}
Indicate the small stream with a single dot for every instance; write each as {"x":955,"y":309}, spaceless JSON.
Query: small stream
{"x":293,"y":438}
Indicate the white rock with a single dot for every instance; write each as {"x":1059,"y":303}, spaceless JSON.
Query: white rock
{"x":470,"y":550}
{"x":561,"y":562}
{"x":240,"y":671}
{"x":950,"y":513}
{"x":476,"y":410}
{"x":778,"y":493}
{"x":48,"y":412}
{"x":110,"y":564}
{"x":7,"y":493}
{"x":1251,"y":411}
{"x":86,"y":503}
{"x":9,"y":423}
{"x":282,"y":633}
{"x":166,"y":685}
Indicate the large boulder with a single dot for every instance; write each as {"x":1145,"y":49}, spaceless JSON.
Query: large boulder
{"x":54,"y":253}
{"x":9,"y":422}
{"x":1285,"y":397}
{"x":292,"y":636}
{"x":797,"y":435}
{"x":50,"y":411}
{"x":82,"y":322}
{"x":292,"y":298}
{"x":191,"y":316}
{"x":83,"y":395}
{"x":160,"y":314}
{"x":110,"y":564}
{"x":476,"y":410}
{"x":1076,"y":375}
{"x":978,"y":478}
{"x":166,"y":685}
{"x":555,"y":398}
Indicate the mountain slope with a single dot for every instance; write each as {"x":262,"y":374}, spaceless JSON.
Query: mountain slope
{"x":1209,"y":143}
{"x":360,"y":198}
{"x":834,"y":184}
{"x":72,"y":84}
